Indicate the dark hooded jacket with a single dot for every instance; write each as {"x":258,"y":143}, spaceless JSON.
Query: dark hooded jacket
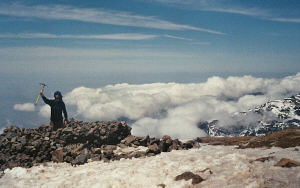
{"x":57,"y":108}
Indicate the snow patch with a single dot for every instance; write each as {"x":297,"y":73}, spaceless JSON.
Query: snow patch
{"x":226,"y":167}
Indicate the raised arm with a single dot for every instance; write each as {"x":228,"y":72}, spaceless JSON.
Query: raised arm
{"x":47,"y":101}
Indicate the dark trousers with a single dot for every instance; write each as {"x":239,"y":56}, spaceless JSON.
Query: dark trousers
{"x":57,"y":124}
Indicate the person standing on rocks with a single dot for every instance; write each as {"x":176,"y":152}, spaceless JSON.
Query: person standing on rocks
{"x":57,"y":108}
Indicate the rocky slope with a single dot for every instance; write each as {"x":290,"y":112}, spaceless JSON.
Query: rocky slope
{"x":78,"y":143}
{"x":272,"y":116}
{"x":206,"y":166}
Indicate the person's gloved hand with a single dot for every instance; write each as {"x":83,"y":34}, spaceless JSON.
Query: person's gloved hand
{"x":66,"y":122}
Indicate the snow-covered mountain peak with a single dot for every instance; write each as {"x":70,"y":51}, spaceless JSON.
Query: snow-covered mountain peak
{"x":272,"y":116}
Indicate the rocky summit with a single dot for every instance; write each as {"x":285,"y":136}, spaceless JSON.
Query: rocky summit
{"x":78,"y":143}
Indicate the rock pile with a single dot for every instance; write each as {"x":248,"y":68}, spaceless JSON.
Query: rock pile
{"x":79,"y":142}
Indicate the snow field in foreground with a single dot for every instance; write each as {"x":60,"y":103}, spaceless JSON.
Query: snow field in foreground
{"x":228,"y":167}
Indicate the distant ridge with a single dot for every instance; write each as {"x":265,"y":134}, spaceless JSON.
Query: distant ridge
{"x":274,"y":115}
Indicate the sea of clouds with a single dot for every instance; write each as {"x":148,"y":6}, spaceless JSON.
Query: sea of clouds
{"x":174,"y":108}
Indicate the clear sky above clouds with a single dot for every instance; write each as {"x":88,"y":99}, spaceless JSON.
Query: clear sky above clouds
{"x":150,"y":36}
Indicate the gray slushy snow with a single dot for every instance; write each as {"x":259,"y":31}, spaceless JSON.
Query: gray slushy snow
{"x":229,"y":167}
{"x":175,"y":109}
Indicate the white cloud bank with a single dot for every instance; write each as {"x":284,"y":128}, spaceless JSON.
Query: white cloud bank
{"x":24,"y":107}
{"x":175,"y":109}
{"x":45,"y":111}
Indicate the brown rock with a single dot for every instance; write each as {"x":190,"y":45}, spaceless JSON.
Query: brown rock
{"x":263,"y":159}
{"x":138,"y":154}
{"x":81,"y":159}
{"x":150,"y":154}
{"x":16,"y":146}
{"x":109,"y":147}
{"x":96,"y":150}
{"x":189,"y":175}
{"x":153,"y":149}
{"x":215,"y":143}
{"x":172,"y":147}
{"x":189,"y":144}
{"x":68,"y":159}
{"x":58,"y":155}
{"x":129,"y":139}
{"x":144,"y":140}
{"x":163,"y":146}
{"x":108,"y":152}
{"x":169,"y":141}
{"x":137,"y":143}
{"x":166,"y":137}
{"x":153,"y":141}
{"x":161,"y":185}
{"x":284,"y":162}
{"x":122,"y":146}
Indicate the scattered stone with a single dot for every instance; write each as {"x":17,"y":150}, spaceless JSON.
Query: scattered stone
{"x":189,"y":144}
{"x":263,"y":159}
{"x":153,"y":149}
{"x":138,"y":154}
{"x":122,"y":146}
{"x":58,"y":155}
{"x":81,"y":159}
{"x":189,"y":175}
{"x":206,"y":169}
{"x":150,"y":154}
{"x":109,"y":147}
{"x":161,"y":185}
{"x":166,"y":137}
{"x":129,"y":139}
{"x":163,"y":146}
{"x":287,"y":163}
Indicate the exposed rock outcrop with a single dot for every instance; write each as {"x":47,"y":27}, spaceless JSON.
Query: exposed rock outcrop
{"x":78,"y":143}
{"x":286,"y":138}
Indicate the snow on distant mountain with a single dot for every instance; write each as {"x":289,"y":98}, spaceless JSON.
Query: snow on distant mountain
{"x":272,"y":116}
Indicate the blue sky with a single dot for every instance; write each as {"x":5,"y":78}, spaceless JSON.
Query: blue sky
{"x":150,"y":36}
{"x":68,"y":44}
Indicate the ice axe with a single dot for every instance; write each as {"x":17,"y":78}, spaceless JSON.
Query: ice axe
{"x":42,"y":90}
